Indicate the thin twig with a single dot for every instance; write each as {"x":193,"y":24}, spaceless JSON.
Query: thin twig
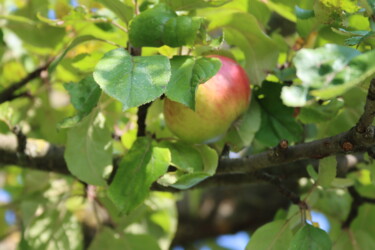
{"x":8,"y":94}
{"x":141,"y":122}
{"x":358,"y":201}
{"x":368,"y":116}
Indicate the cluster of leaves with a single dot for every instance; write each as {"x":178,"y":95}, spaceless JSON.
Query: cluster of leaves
{"x":96,"y":84}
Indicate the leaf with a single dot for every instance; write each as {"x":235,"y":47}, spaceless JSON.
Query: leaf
{"x":243,"y":131}
{"x":278,"y":122}
{"x":348,"y":6}
{"x":354,"y":102}
{"x":121,"y":9}
{"x":312,"y":173}
{"x":132,"y":80}
{"x":274,"y":235}
{"x":162,"y":218}
{"x":310,"y":237}
{"x":88,"y":152}
{"x":318,"y":67}
{"x":259,"y":58}
{"x":365,"y":218}
{"x":74,"y":43}
{"x":35,"y":33}
{"x":294,"y":96}
{"x":324,"y":112}
{"x":357,"y":71}
{"x":332,"y":203}
{"x":327,"y":171}
{"x":161,"y":26}
{"x":194,"y":163}
{"x":187,"y":73}
{"x":342,"y":182}
{"x":181,"y":30}
{"x":84,"y":95}
{"x":147,"y":28}
{"x":140,"y":167}
{"x":110,"y":239}
{"x":52,"y":230}
{"x":354,"y":239}
{"x":6,"y":115}
{"x":356,"y":37}
{"x":194,"y":4}
{"x":303,"y":13}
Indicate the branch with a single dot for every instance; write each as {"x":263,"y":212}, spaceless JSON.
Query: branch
{"x":141,"y":122}
{"x":44,"y":156}
{"x":8,"y":94}
{"x":358,"y":200}
{"x":344,"y":143}
{"x":38,"y":155}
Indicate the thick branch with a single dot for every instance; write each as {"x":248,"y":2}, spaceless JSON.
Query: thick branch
{"x":44,"y":156}
{"x":38,"y":154}
{"x":347,"y":142}
{"x":8,"y":94}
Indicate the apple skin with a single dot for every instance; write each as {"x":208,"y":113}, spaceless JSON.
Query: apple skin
{"x":218,"y":103}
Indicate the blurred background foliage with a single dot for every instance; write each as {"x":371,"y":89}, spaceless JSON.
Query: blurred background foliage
{"x":309,"y":62}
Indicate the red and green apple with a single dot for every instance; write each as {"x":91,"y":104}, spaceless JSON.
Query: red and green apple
{"x":218,"y":103}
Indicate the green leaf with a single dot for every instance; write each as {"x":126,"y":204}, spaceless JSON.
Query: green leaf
{"x":35,"y":33}
{"x":275,"y":235}
{"x":259,"y":58}
{"x":342,"y":182}
{"x":54,"y":229}
{"x":243,"y":131}
{"x":74,"y":43}
{"x":6,"y":115}
{"x":354,"y":239}
{"x":162,"y":217}
{"x":278,"y":122}
{"x":365,"y":218}
{"x":356,"y":37}
{"x":147,"y":29}
{"x":294,"y":96}
{"x":332,"y":203}
{"x":317,"y":67}
{"x":358,"y":70}
{"x":303,"y":14}
{"x":132,"y":80}
{"x":194,"y":163}
{"x":194,"y":4}
{"x":88,"y":152}
{"x":285,"y":8}
{"x":140,"y":167}
{"x":161,"y":26}
{"x":121,"y":9}
{"x":110,"y":239}
{"x":310,"y":237}
{"x":84,"y":95}
{"x":187,"y":73}
{"x":181,"y":30}
{"x":327,"y":171}
{"x":312,"y":173}
{"x":354,"y":102}
{"x":316,"y":112}
{"x":349,"y":6}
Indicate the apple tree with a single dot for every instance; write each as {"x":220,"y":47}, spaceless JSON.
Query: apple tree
{"x":108,"y":140}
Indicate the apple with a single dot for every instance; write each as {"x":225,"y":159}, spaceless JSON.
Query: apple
{"x":218,"y":103}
